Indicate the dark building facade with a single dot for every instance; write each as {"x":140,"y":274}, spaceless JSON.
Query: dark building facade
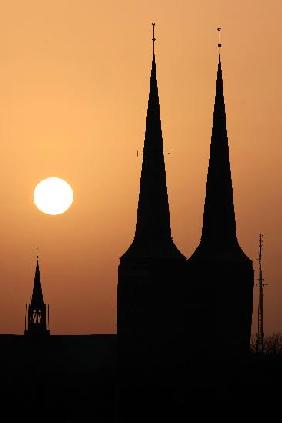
{"x":167,"y":306}
{"x":151,"y":268}
{"x":37,"y":312}
{"x":219,"y":272}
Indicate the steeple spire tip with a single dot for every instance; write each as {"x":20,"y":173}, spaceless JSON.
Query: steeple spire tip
{"x":37,"y":256}
{"x":219,"y":44}
{"x":153,"y":39}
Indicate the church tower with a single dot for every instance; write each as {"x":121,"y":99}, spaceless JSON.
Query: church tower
{"x":219,"y":271}
{"x":150,"y":269}
{"x":37,"y":321}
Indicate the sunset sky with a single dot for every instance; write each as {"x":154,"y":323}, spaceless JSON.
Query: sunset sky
{"x":74,"y":79}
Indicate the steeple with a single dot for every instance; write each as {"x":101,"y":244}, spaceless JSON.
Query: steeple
{"x":36,"y":311}
{"x":221,"y":275}
{"x":37,"y":295}
{"x":151,"y":270}
{"x":219,"y":224}
{"x":153,"y":233}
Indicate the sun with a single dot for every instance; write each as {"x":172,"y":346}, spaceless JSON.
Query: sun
{"x":53,"y":195}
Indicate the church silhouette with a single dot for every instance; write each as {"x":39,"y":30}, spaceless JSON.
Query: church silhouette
{"x":179,"y":320}
{"x":167,"y":306}
{"x":183,"y":325}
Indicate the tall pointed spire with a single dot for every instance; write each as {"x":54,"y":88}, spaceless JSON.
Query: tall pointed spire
{"x":37,"y":295}
{"x":153,"y":232}
{"x":220,"y":272}
{"x":150,"y":271}
{"x":36,"y":314}
{"x":219,"y":224}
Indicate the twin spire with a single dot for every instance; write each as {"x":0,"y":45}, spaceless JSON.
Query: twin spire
{"x":219,"y":224}
{"x":153,"y":218}
{"x":153,"y":233}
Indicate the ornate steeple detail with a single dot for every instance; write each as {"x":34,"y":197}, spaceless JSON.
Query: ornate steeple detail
{"x":153,"y":233}
{"x":36,"y":311}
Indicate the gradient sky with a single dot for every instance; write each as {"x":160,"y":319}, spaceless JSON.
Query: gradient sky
{"x":74,"y":79}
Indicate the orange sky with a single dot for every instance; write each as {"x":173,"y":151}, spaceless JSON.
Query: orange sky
{"x":74,"y":78}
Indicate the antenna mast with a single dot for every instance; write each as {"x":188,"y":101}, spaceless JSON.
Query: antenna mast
{"x":260,"y":334}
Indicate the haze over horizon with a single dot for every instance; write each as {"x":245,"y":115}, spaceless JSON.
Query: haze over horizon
{"x":74,"y":82}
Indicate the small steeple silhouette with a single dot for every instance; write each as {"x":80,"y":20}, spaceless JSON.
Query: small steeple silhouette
{"x":37,"y":296}
{"x":36,"y":314}
{"x":153,"y":233}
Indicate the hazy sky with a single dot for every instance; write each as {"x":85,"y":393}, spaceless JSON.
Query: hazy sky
{"x":74,"y":79}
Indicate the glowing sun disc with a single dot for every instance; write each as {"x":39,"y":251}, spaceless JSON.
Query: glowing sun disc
{"x":53,"y":195}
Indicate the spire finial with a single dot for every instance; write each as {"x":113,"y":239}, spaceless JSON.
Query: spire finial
{"x":153,"y":39}
{"x":219,"y":45}
{"x":37,"y":253}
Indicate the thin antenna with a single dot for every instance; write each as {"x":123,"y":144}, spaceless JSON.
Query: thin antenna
{"x":153,"y":39}
{"x":25,"y":317}
{"x":219,"y":45}
{"x":261,"y":284}
{"x":48,"y":316}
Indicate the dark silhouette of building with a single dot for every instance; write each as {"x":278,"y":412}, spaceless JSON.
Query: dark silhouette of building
{"x":37,"y":315}
{"x":167,"y":306}
{"x":150,"y":269}
{"x":58,"y":378}
{"x":219,"y":272}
